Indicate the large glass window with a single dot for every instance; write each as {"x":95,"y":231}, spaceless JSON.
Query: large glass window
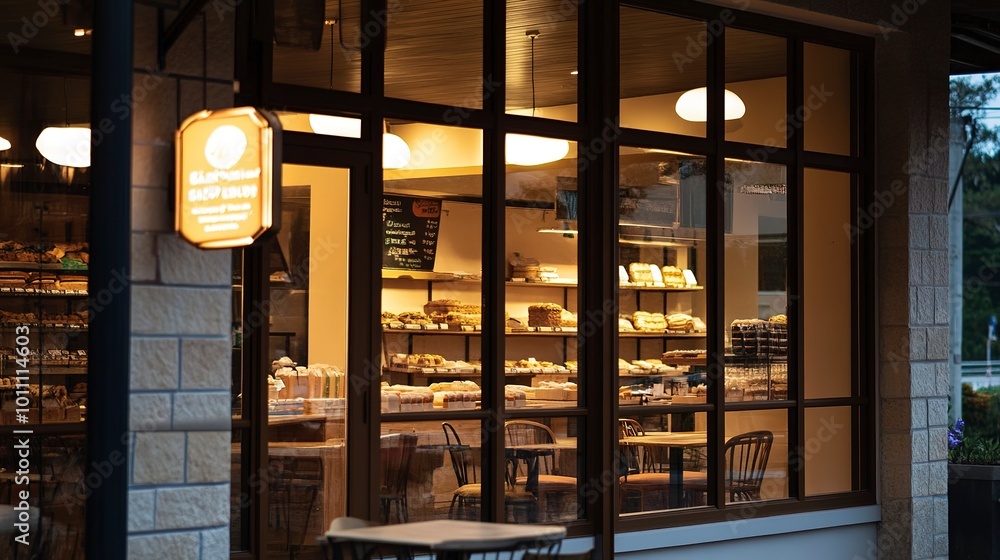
{"x":44,"y":310}
{"x":434,"y":51}
{"x":664,"y":60}
{"x":734,"y":317}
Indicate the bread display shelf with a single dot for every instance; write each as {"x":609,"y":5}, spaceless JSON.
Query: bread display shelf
{"x":445,"y":277}
{"x":685,"y":361}
{"x":659,"y":288}
{"x":475,"y":371}
{"x":34,"y":265}
{"x":22,"y":291}
{"x":537,"y":331}
{"x":46,"y":326}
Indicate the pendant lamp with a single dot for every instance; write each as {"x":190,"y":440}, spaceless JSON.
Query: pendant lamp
{"x":692,"y":105}
{"x":4,"y":144}
{"x":65,"y":145}
{"x":68,"y":146}
{"x":521,"y":149}
{"x":395,"y":151}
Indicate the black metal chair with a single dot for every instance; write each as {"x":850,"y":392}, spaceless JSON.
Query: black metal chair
{"x":468,"y":497}
{"x":746,"y":461}
{"x":553,"y":488}
{"x":396,"y":455}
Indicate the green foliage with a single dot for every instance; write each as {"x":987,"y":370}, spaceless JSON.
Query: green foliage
{"x":981,"y":412}
{"x":976,"y":451}
{"x":967,"y":98}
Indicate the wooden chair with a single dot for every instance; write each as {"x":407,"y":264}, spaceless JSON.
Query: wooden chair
{"x":396,"y":455}
{"x":468,"y":497}
{"x":746,"y":461}
{"x":552,"y":486}
{"x":638,"y":476}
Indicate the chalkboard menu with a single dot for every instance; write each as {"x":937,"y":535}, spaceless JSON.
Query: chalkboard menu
{"x":410,"y":229}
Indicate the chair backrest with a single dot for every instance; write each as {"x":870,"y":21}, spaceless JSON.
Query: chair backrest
{"x":527,"y":432}
{"x":746,"y":460}
{"x":630,"y":461}
{"x":396,"y":454}
{"x":463,"y":457}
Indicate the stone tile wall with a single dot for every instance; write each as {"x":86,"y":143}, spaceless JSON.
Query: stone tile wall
{"x":179,"y":500}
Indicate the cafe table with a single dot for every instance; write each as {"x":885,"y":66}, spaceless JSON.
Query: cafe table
{"x":449,"y":539}
{"x":676,"y":442}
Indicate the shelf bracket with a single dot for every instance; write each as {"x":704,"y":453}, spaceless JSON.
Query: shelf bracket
{"x":168,"y":36}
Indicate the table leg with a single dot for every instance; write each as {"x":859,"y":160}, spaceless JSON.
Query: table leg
{"x":676,"y":476}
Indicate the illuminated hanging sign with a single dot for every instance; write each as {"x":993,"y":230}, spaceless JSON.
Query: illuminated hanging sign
{"x":228,"y":170}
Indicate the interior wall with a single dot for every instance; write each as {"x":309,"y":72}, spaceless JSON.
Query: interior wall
{"x":328,"y":253}
{"x":827,"y":292}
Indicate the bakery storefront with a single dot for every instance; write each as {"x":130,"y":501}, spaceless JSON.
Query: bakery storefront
{"x":625,"y":267}
{"x":520,"y":280}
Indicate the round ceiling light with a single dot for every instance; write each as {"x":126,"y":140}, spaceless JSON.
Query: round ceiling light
{"x":693,"y":105}
{"x":395,"y":151}
{"x":522,"y":149}
{"x":65,"y":145}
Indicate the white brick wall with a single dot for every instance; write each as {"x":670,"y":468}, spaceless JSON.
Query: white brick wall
{"x":180,"y":403}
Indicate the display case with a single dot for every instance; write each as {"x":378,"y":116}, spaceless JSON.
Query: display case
{"x":44,"y":314}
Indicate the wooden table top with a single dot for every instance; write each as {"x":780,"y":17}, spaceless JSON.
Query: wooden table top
{"x":448,"y":534}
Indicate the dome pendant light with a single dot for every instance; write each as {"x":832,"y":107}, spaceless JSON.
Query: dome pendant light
{"x":521,"y":149}
{"x":692,"y":106}
{"x":395,"y":151}
{"x":68,"y":146}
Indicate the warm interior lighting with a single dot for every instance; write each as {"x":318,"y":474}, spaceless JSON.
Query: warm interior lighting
{"x":566,"y":230}
{"x":12,"y":165}
{"x":4,"y":144}
{"x":574,"y":72}
{"x":65,"y":145}
{"x":395,"y":151}
{"x":335,"y":126}
{"x":692,"y":106}
{"x":522,"y":149}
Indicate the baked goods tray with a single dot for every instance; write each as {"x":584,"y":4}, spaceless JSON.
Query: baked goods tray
{"x":431,"y":370}
{"x":645,"y":372}
{"x":40,"y":291}
{"x":44,"y":325}
{"x":35,"y":265}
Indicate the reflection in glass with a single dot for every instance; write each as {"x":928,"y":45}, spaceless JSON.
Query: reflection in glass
{"x":434,"y":52}
{"x":316,"y":48}
{"x":827,"y":455}
{"x":756,"y":65}
{"x":542,"y":73}
{"x":662,"y":267}
{"x":307,"y":405}
{"x":826,"y":114}
{"x":542,"y":299}
{"x":662,"y":461}
{"x":756,"y":455}
{"x":662,"y":57}
{"x":431,"y":251}
{"x":430,"y":470}
{"x":756,"y":290}
{"x":828,"y":280}
{"x":543,"y":457}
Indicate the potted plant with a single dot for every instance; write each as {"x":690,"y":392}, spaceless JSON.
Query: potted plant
{"x":973,"y":494}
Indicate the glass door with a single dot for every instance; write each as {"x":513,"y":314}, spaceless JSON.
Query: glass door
{"x":292,"y":309}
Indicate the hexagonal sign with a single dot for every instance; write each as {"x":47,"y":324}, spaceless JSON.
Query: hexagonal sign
{"x":228,"y":169}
